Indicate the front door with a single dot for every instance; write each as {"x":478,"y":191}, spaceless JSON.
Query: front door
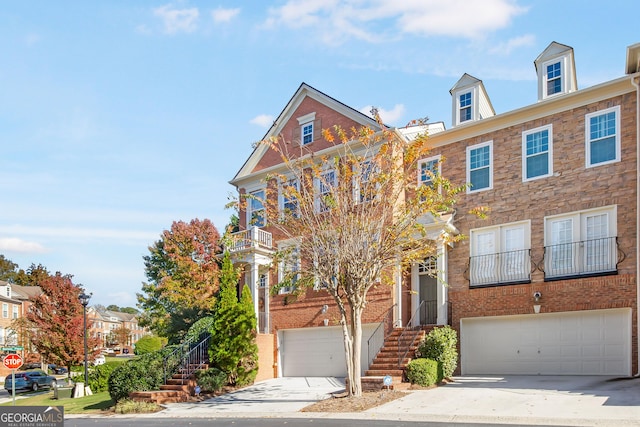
{"x":428,"y":300}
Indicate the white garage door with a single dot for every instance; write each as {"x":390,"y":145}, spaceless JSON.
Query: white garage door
{"x":318,"y":352}
{"x":596,"y":342}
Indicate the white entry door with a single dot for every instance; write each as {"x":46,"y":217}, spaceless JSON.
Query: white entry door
{"x":594,"y":342}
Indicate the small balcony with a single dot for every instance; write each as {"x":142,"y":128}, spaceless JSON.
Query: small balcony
{"x":585,"y":258}
{"x":252,"y":239}
{"x":501,"y":268}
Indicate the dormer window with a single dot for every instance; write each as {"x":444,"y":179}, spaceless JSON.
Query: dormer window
{"x":465,"y":107}
{"x":554,"y":78}
{"x":556,"y":71}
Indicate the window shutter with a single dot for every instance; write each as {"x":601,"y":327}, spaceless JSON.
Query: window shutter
{"x":296,"y":135}
{"x":317,"y":129}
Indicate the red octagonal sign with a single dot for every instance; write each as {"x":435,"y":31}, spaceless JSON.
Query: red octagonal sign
{"x":12,"y":361}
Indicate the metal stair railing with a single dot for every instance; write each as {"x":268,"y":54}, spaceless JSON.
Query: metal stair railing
{"x":408,"y":335}
{"x":377,"y":338}
{"x":187,"y":358}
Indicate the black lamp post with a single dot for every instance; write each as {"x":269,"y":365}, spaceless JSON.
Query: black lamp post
{"x":84,"y":300}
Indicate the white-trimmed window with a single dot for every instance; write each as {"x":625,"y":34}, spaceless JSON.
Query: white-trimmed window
{"x":581,"y":243}
{"x":288,"y":200}
{"x":465,"y":106}
{"x":428,"y":169}
{"x":307,"y":132}
{"x":288,"y":268}
{"x":480,"y":166}
{"x":553,"y":78}
{"x":263,"y":280}
{"x":16,"y":312}
{"x":12,"y":337}
{"x":255,"y":209}
{"x":364,"y":185}
{"x":5,"y":310}
{"x":537,"y":153}
{"x":2,"y":335}
{"x":325,"y":184}
{"x":500,"y":254}
{"x":602,"y":135}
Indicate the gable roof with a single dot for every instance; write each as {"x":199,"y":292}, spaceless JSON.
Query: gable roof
{"x":303,"y":91}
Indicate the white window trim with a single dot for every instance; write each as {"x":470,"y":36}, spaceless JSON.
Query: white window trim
{"x":587,"y":137}
{"x":470,"y":189}
{"x":316,"y":187}
{"x":282,"y":265}
{"x":499,"y":235}
{"x":563,"y":77}
{"x":438,"y":160}
{"x":281,"y":198}
{"x":357,"y":181}
{"x":549,"y":129}
{"x":579,"y":233}
{"x":249,"y":211}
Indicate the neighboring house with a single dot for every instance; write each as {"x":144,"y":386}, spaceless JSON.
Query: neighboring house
{"x":546,"y":285}
{"x":105,"y":322}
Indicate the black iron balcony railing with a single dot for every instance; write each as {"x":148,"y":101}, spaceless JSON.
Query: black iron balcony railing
{"x":588,"y":257}
{"x":500,"y":268}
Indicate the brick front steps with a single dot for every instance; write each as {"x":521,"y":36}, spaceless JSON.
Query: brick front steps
{"x":177,"y":389}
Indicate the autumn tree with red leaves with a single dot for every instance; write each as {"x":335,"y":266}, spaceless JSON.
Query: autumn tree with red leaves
{"x":182,"y":269}
{"x":54,"y":324}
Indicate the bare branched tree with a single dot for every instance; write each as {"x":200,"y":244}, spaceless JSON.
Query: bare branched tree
{"x":357,"y":214}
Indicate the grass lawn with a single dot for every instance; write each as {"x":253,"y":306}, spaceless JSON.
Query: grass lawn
{"x":94,"y":404}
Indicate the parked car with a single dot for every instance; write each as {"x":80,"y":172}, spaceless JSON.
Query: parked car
{"x":58,"y":370}
{"x":30,"y":380}
{"x":32,"y":365}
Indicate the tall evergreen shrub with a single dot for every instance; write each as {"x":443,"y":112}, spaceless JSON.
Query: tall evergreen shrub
{"x":233,"y":347}
{"x":440,"y":345}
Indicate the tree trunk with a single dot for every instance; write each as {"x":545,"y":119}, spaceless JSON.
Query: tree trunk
{"x":352,"y":332}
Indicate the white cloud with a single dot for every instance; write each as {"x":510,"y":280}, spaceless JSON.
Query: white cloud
{"x":340,"y":20}
{"x":515,"y":43}
{"x":388,"y":116}
{"x":13,"y":244}
{"x":224,"y":15}
{"x":263,"y":120}
{"x":178,"y":20}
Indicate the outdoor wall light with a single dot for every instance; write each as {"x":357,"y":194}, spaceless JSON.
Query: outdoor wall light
{"x":537,"y":295}
{"x":324,"y":308}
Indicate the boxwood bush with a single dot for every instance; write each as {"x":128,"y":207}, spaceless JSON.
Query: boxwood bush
{"x":423,"y":372}
{"x":440,"y":345}
{"x":98,"y":376}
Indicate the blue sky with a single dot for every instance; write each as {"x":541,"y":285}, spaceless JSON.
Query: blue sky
{"x":118,"y":118}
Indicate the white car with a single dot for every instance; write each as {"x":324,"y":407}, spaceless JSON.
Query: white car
{"x":100,"y":360}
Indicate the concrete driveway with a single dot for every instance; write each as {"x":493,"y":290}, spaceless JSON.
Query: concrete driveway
{"x":564,"y":400}
{"x":541,"y":400}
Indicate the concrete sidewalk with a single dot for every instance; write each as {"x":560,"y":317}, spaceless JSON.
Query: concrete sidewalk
{"x":540,"y":400}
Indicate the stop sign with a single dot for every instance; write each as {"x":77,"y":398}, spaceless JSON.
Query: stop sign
{"x":12,"y":361}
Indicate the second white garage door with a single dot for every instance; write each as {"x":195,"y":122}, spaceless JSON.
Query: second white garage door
{"x":317,"y":352}
{"x":595,"y":342}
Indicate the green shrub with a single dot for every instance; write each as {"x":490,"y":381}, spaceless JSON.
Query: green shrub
{"x":142,"y":374}
{"x":200,"y":327}
{"x":211,"y":380}
{"x":440,"y":345}
{"x":98,"y":377}
{"x":149,"y":344}
{"x":423,"y":372}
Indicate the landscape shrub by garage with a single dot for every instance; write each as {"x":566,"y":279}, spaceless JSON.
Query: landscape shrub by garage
{"x":423,"y":372}
{"x":440,"y":345}
{"x":211,"y":380}
{"x":98,"y":376}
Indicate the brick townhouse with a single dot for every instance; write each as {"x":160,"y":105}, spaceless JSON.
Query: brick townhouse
{"x":545,"y":285}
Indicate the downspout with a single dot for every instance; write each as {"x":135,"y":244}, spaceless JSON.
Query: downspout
{"x":634,"y":82}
